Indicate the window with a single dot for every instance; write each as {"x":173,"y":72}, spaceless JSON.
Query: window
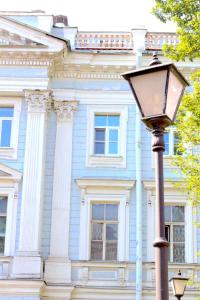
{"x":10,"y":110}
{"x":6,"y":117}
{"x":106,"y":134}
{"x":104,"y":219}
{"x":104,"y":231}
{"x":3,"y":215}
{"x":175,"y":232}
{"x":171,"y":140}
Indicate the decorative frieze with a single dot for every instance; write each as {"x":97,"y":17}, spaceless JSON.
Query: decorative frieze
{"x":65,"y":110}
{"x":38,"y":100}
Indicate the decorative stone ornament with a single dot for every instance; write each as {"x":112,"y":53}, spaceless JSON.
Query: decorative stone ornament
{"x":38,"y":100}
{"x":65,"y":110}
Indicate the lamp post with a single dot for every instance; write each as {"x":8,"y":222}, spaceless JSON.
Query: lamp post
{"x":178,"y":285}
{"x":158,"y":90}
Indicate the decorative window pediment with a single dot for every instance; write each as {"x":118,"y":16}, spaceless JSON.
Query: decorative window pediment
{"x":9,"y":174}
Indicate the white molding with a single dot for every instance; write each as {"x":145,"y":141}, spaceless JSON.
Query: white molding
{"x":117,"y":161}
{"x":110,"y":191}
{"x":11,"y":152}
{"x":19,"y":84}
{"x":173,"y":195}
{"x":93,"y":97}
{"x":21,"y":287}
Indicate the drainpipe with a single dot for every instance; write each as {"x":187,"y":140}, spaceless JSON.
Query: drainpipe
{"x":139,"y":45}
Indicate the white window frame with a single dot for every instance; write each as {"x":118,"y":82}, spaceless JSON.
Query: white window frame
{"x":171,"y":224}
{"x":107,"y":131}
{"x":104,"y":222}
{"x":173,"y":196}
{"x":9,"y":179}
{"x":11,"y":152}
{"x":171,"y":131}
{"x":107,"y":160}
{"x":105,"y":191}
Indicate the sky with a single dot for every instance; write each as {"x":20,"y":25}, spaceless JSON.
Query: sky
{"x":116,"y":15}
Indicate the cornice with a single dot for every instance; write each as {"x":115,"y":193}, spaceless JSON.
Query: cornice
{"x":111,"y":183}
{"x":87,"y":75}
{"x":26,"y":62}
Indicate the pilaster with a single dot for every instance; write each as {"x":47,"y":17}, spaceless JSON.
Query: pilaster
{"x":58,"y":266}
{"x":27,"y":263}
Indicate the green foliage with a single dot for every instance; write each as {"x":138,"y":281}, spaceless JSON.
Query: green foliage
{"x":186,"y":15}
{"x":188,"y":128}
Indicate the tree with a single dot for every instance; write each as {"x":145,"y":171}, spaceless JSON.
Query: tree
{"x":186,"y":15}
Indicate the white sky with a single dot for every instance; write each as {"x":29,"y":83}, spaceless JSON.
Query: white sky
{"x":95,"y":14}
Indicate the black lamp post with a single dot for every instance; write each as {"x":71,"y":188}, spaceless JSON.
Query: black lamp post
{"x":178,"y":285}
{"x":158,"y":90}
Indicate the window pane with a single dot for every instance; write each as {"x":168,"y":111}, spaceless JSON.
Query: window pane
{"x":178,"y":213}
{"x":98,"y":211}
{"x":99,"y":148}
{"x":100,"y":120}
{"x":166,"y":140}
{"x":111,"y":250}
{"x":113,"y":135}
{"x":178,"y":233}
{"x":113,"y":120}
{"x":2,"y":225}
{"x":167,"y":232}
{"x":111,"y":232}
{"x":167,"y":213}
{"x":97,"y":250}
{"x":2,"y":243}
{"x":100,"y":135}
{"x":97,"y":230}
{"x":6,"y":133}
{"x":6,"y":111}
{"x":113,"y":148}
{"x":179,"y":253}
{"x":111,"y":211}
{"x":3,"y":204}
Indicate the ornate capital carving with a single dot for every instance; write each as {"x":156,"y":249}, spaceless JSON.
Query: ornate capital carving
{"x":38,"y":100}
{"x":65,"y":110}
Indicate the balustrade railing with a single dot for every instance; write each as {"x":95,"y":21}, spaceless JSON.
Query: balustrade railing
{"x":104,"y":41}
{"x":124,"y":274}
{"x":122,"y":41}
{"x":155,"y":41}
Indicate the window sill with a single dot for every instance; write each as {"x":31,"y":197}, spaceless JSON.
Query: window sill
{"x":106,"y":161}
{"x":8,"y":153}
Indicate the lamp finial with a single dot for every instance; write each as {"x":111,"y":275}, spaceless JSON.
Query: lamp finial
{"x":155,"y":60}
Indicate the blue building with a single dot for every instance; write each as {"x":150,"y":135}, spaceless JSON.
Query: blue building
{"x":77,"y":186}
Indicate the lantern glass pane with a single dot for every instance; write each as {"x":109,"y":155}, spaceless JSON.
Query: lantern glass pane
{"x":150,"y":91}
{"x":175,"y":89}
{"x":179,"y":286}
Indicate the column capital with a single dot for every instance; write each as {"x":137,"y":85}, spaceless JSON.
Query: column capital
{"x":38,"y":100}
{"x":65,"y":110}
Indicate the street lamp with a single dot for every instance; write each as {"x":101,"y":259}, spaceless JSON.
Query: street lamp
{"x":178,"y":285}
{"x":158,"y":90}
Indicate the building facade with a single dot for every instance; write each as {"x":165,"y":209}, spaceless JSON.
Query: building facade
{"x":77,"y":185}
